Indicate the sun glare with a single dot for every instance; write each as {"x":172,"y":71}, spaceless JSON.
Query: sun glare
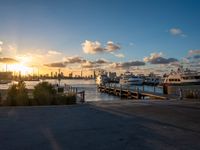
{"x":24,"y":70}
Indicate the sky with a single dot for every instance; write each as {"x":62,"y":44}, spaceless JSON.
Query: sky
{"x":142,"y":35}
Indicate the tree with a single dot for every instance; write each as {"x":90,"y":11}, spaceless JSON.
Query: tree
{"x":18,"y":94}
{"x":44,"y":93}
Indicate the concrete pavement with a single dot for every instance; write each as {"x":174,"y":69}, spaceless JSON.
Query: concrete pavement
{"x":110,"y":125}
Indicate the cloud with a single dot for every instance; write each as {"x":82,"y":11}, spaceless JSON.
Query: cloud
{"x":90,"y":47}
{"x":51,"y":52}
{"x":8,"y":60}
{"x":176,"y":32}
{"x":88,"y":64}
{"x":100,"y":61}
{"x":193,"y":56}
{"x":1,"y":43}
{"x":156,"y":58}
{"x":152,"y":56}
{"x":111,"y":46}
{"x":73,"y":60}
{"x":120,"y":55}
{"x":131,"y":44}
{"x":56,"y":65}
{"x":126,"y":65}
{"x":194,"y":52}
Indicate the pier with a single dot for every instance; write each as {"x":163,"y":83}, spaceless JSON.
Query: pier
{"x":127,"y":92}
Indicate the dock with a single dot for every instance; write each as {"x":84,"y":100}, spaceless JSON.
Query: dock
{"x":129,"y":93}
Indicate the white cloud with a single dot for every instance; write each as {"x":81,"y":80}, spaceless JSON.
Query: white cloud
{"x":194,"y":52}
{"x":152,"y":56}
{"x":1,"y":43}
{"x":131,"y":44}
{"x":52,"y":52}
{"x":176,"y":32}
{"x":111,"y":46}
{"x":156,"y":58}
{"x":120,"y":55}
{"x":90,"y":47}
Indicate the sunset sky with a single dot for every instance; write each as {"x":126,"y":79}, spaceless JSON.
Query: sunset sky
{"x":139,"y":35}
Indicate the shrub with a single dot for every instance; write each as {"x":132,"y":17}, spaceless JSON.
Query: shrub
{"x":18,"y":95}
{"x":65,"y":99}
{"x":44,"y":93}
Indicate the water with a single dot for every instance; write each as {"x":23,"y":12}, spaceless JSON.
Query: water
{"x":89,"y":86}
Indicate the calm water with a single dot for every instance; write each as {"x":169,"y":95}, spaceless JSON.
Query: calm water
{"x":89,"y":86}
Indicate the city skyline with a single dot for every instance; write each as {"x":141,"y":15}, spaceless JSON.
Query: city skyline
{"x":141,"y":36}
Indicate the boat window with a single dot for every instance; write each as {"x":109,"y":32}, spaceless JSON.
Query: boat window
{"x":197,"y":77}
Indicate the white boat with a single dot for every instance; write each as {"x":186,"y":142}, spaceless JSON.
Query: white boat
{"x":102,"y":79}
{"x":130,"y":79}
{"x":182,"y":77}
{"x":5,"y":81}
{"x":152,"y":79}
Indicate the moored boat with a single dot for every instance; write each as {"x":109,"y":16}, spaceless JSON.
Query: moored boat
{"x":102,"y":79}
{"x":130,"y":79}
{"x":182,"y":77}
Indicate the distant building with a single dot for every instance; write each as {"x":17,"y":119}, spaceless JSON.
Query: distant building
{"x":70,"y":75}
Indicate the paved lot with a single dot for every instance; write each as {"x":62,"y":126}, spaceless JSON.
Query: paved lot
{"x":120,"y":125}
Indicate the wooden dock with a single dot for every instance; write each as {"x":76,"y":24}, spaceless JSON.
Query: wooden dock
{"x":130,"y":93}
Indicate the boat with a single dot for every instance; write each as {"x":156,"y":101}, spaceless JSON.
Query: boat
{"x":152,"y":79}
{"x":5,"y":81}
{"x":182,"y":77}
{"x":129,"y":79}
{"x":102,"y":79}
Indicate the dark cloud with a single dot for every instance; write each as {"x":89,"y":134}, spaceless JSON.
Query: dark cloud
{"x":100,"y":61}
{"x":56,"y":65}
{"x":162,"y":60}
{"x":8,"y":61}
{"x":73,"y":60}
{"x":156,"y":58}
{"x":125,"y":65}
{"x":196,"y":56}
{"x":133,"y":63}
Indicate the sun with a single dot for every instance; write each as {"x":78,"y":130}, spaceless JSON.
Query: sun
{"x":24,"y":70}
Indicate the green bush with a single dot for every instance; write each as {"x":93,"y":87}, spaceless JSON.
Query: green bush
{"x":18,"y":95}
{"x":44,"y":93}
{"x":65,"y":99}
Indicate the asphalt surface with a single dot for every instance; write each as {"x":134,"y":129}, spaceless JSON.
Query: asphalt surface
{"x":119,"y":125}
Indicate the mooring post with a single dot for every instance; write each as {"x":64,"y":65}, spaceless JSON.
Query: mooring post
{"x":120,"y":90}
{"x":82,"y":96}
{"x":138,"y":94}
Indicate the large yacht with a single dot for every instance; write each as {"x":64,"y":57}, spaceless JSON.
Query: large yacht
{"x":130,"y":79}
{"x":183,"y":77}
{"x":152,"y":79}
{"x":102,"y":79}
